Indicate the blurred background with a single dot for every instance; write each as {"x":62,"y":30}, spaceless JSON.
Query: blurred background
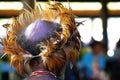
{"x":100,"y":35}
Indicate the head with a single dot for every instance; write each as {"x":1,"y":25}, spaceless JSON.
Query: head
{"x":44,"y":39}
{"x":97,"y":47}
{"x":118,"y":44}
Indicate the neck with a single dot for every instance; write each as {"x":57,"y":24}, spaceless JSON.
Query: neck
{"x":39,"y":68}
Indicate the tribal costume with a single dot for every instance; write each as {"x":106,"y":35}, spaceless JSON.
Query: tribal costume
{"x":46,"y":36}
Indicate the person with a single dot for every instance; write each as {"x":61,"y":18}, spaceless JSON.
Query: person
{"x":113,"y":63}
{"x":42,"y":41}
{"x":93,"y":62}
{"x":117,"y":50}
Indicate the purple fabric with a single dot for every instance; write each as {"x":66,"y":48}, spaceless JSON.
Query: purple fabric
{"x":36,"y":33}
{"x":40,"y":30}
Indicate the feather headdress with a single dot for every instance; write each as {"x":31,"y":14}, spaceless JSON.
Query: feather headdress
{"x":49,"y":33}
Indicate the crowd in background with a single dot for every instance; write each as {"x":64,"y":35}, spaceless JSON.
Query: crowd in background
{"x":93,"y":64}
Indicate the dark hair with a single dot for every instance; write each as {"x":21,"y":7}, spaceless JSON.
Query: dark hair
{"x":95,"y":43}
{"x":118,"y":44}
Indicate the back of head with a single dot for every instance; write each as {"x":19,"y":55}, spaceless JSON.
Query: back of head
{"x":43,"y":39}
{"x":97,"y":47}
{"x":94,"y":43}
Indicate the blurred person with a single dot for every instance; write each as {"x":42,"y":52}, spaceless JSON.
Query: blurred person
{"x":117,"y":50}
{"x":6,"y":69}
{"x":7,"y":72}
{"x":93,"y":63}
{"x":113,"y":63}
{"x":42,"y":41}
{"x":71,"y":72}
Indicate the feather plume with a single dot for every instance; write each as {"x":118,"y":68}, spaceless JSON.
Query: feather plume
{"x":61,"y":45}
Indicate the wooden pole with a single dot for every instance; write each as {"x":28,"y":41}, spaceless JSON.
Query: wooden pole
{"x":104,"y":16}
